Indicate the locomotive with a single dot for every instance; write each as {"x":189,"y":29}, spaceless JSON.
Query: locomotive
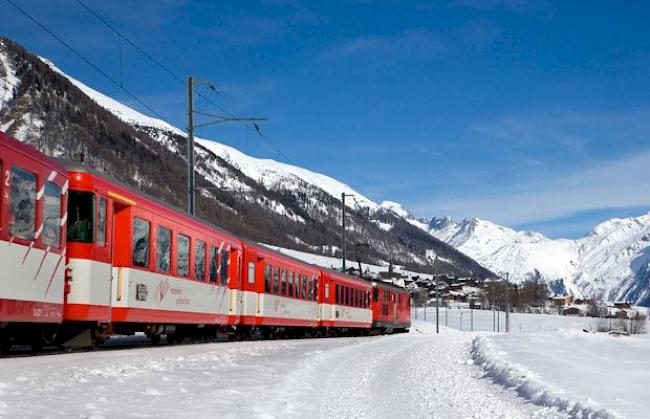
{"x":84,"y":257}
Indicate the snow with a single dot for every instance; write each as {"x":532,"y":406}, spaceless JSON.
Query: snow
{"x":612,"y":262}
{"x":591,"y":374}
{"x":550,"y":361}
{"x":419,"y":374}
{"x":269,"y":172}
{"x":274,"y":174}
{"x":120,"y":110}
{"x":400,"y":211}
{"x":558,"y":372}
{"x":9,"y":80}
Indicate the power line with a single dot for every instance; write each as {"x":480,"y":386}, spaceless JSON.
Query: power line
{"x":153,"y":59}
{"x":182,"y":81}
{"x":83,"y":58}
{"x":134,"y":45}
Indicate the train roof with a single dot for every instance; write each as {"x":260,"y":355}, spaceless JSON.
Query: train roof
{"x":73,"y":166}
{"x":388,"y":285}
{"x":295,"y":259}
{"x":29,"y":151}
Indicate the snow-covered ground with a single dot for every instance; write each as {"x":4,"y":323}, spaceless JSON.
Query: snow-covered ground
{"x":550,"y":361}
{"x":554,"y":371}
{"x":419,"y":374}
{"x":583,"y":373}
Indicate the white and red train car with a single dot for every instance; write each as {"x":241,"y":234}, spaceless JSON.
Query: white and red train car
{"x":84,"y":256}
{"x":33,"y":202}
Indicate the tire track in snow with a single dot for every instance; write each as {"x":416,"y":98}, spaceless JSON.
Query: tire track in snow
{"x":416,"y":376}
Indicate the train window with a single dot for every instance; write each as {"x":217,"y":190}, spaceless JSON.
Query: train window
{"x":81,"y":216}
{"x":52,"y":215}
{"x":276,"y":280}
{"x":199,"y":260}
{"x":267,"y":278}
{"x":303,"y":291}
{"x":327,"y":292}
{"x":183,"y":255}
{"x":290,"y":284}
{"x":214,"y":264}
{"x":315,"y":287}
{"x":23,"y":204}
{"x":251,"y":272}
{"x":310,"y":288}
{"x":140,"y":243}
{"x":101,"y":222}
{"x":163,"y":249}
{"x":225,"y":263}
{"x":283,"y":282}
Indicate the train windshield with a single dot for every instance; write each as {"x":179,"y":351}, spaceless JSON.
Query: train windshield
{"x":81,"y":217}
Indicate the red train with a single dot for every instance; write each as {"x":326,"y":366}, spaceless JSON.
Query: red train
{"x":83,"y":257}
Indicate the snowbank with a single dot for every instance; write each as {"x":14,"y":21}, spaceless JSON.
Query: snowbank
{"x":530,"y":385}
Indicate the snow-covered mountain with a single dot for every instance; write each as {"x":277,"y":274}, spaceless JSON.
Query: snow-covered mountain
{"x":611,"y":262}
{"x":260,"y":199}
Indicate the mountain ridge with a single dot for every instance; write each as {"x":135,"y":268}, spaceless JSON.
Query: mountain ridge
{"x":611,"y":262}
{"x":260,"y":199}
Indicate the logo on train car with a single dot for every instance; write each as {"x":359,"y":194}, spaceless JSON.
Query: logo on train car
{"x":280,"y":307}
{"x":162,"y":289}
{"x":141,"y":292}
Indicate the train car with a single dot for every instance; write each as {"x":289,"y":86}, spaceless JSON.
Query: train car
{"x":345,"y":302}
{"x":280,"y":292}
{"x":137,"y":264}
{"x":33,"y":202}
{"x":391,"y":307}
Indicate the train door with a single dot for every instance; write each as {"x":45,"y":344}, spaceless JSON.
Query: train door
{"x":121,"y":249}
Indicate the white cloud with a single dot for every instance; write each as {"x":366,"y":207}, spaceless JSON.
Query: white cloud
{"x":620,"y":183}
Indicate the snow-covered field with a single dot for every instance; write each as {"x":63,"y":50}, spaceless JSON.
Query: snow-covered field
{"x":550,"y":361}
{"x":419,"y":374}
{"x":583,"y":373}
{"x":540,"y":374}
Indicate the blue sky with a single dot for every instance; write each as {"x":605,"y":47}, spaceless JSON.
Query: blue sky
{"x":531,"y":114}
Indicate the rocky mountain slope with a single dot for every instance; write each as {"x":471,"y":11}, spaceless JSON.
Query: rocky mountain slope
{"x":611,"y":262}
{"x":262,"y":200}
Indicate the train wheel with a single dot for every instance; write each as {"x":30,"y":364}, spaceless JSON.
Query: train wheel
{"x":5,"y":346}
{"x":155,"y":339}
{"x":44,"y":337}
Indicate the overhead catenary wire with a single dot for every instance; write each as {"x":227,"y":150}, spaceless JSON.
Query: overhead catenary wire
{"x":84,"y":59}
{"x":153,"y":59}
{"x":181,"y":80}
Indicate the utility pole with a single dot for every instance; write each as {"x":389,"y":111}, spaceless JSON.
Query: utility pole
{"x":437,"y":305}
{"x":471,"y":313}
{"x":507,"y":302}
{"x":217,"y":119}
{"x":494,"y":307}
{"x":343,"y":248}
{"x":190,"y":147}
